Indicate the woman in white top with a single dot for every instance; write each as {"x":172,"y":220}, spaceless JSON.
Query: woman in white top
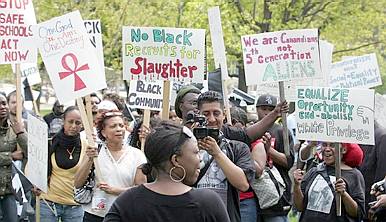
{"x":118,"y":163}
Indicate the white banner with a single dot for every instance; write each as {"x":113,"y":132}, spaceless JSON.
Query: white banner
{"x":16,"y":40}
{"x":69,"y":57}
{"x":29,"y":71}
{"x":94,"y":30}
{"x":380,"y":109}
{"x":358,"y":72}
{"x":281,"y":56}
{"x":158,"y":53}
{"x":145,"y":95}
{"x":335,"y":114}
{"x":36,"y":170}
{"x":220,"y":59}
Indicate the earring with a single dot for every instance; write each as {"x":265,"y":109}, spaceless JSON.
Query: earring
{"x":177,"y":180}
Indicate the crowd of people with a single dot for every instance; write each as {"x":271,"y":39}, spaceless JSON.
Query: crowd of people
{"x":193,"y":167}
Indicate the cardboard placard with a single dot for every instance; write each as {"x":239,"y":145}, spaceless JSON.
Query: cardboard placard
{"x":219,"y":55}
{"x":69,"y":57}
{"x":358,"y":72}
{"x":380,"y":107}
{"x":156,"y":53}
{"x":326,"y":50}
{"x":16,"y":40}
{"x":281,"y":56}
{"x":145,"y":95}
{"x":335,"y":114}
{"x":94,"y":30}
{"x":36,"y":171}
{"x":29,"y":71}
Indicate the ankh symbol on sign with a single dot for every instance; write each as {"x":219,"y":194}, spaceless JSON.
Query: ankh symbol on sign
{"x":79,"y":84}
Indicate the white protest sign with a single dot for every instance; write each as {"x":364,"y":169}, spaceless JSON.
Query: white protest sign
{"x":145,"y":95}
{"x":358,"y":72}
{"x":326,"y":50}
{"x":281,"y":56}
{"x":29,"y":71}
{"x":16,"y":40}
{"x":94,"y":31}
{"x":176,"y":86}
{"x":335,"y":114}
{"x":36,"y":170}
{"x":69,"y":57}
{"x":380,"y":109}
{"x":220,"y":59}
{"x":158,"y":53}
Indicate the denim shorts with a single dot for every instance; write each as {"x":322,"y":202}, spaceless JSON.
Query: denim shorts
{"x":55,"y":211}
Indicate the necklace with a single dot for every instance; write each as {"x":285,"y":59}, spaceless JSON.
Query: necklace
{"x":70,"y":153}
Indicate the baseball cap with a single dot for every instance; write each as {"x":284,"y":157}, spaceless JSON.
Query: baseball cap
{"x":266,"y":100}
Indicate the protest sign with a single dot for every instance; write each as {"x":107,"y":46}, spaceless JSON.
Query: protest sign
{"x":145,"y":95}
{"x":29,"y":71}
{"x":94,"y":31}
{"x":176,"y":86}
{"x":69,"y":57}
{"x":16,"y":41}
{"x":36,"y":170}
{"x":326,"y":50}
{"x":379,"y":111}
{"x":157,"y":53}
{"x":358,"y":72}
{"x":219,"y":56}
{"x":335,"y":114}
{"x":281,"y":56}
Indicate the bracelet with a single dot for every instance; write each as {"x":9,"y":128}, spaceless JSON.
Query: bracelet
{"x":17,"y":134}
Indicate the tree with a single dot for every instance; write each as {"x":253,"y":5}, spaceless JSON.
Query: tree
{"x":355,"y":28}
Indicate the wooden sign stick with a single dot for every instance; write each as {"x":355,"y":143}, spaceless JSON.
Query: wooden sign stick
{"x":166,"y":100}
{"x":284,"y":121}
{"x":19,"y":106}
{"x":146,"y":122}
{"x":338,"y":174}
{"x":88,"y":130}
{"x":89,"y":110}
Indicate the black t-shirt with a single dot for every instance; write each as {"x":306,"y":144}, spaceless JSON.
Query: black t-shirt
{"x":283,"y":207}
{"x":373,"y":167}
{"x":319,"y":199}
{"x":214,"y":178}
{"x":139,"y":204}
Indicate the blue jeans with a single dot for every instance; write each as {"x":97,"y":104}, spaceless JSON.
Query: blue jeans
{"x":248,"y":210}
{"x":275,"y":218}
{"x":66,"y":213}
{"x":8,"y":208}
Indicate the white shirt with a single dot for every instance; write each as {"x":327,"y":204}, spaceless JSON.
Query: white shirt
{"x":119,"y":173}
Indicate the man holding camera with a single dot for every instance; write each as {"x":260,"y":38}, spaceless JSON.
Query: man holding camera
{"x":228,"y":165}
{"x":186,"y":103}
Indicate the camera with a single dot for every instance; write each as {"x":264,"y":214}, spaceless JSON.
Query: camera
{"x":202,"y":131}
{"x":378,"y":187}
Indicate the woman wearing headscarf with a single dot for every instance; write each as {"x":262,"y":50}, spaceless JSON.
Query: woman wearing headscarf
{"x":118,"y":164}
{"x":314,"y":192}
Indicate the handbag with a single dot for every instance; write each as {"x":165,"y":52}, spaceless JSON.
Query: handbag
{"x":269,"y":187}
{"x":83,"y":195}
